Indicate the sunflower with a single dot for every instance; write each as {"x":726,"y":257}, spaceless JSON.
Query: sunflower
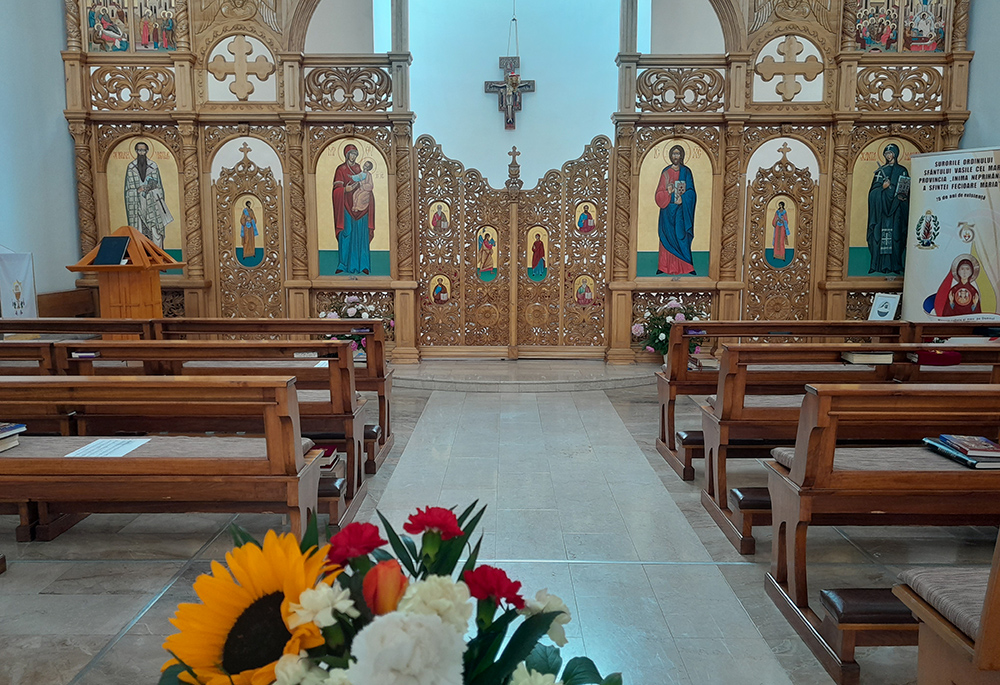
{"x":237,"y":633}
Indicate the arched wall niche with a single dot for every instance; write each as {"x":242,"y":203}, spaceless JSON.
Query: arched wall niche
{"x":692,"y":27}
{"x":341,"y":27}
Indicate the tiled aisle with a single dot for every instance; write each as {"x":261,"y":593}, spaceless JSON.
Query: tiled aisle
{"x":573,"y":505}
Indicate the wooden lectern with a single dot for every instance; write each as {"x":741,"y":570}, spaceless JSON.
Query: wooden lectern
{"x":131,"y":290}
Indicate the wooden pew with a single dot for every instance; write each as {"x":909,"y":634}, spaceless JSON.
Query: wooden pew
{"x":76,"y":327}
{"x":327,"y":403}
{"x":374,"y":376}
{"x":781,"y":371}
{"x":169,"y":473}
{"x":679,"y":379}
{"x":817,"y":482}
{"x":959,"y":614}
{"x":27,"y":358}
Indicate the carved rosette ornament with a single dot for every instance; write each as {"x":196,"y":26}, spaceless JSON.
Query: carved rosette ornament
{"x":193,"y":249}
{"x":84,"y":186}
{"x":297,"y":202}
{"x":838,"y":202}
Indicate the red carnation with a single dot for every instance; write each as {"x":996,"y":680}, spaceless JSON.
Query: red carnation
{"x":355,"y":540}
{"x":491,"y":583}
{"x":439,"y":519}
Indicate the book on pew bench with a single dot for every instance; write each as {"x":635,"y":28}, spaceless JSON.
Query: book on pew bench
{"x":9,"y":429}
{"x":963,"y":459}
{"x":873,"y":357}
{"x":8,"y":443}
{"x":972,"y":445}
{"x":84,"y":355}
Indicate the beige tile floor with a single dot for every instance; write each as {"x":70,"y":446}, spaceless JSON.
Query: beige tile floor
{"x":579,"y":502}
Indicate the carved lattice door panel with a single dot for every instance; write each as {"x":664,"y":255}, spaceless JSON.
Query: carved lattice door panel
{"x":250,"y":245}
{"x":546,"y":300}
{"x":779,"y":243}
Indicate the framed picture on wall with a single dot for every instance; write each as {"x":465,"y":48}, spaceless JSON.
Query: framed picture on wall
{"x":884,"y":307}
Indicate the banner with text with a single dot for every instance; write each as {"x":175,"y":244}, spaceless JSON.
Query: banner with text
{"x":953,"y":247}
{"x":17,"y":286}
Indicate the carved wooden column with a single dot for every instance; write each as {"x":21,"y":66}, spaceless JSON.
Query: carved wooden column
{"x":298,"y":284}
{"x":848,"y":23}
{"x":835,"y":301}
{"x":728,"y":306}
{"x":405,"y":284}
{"x":620,"y":286}
{"x":74,"y":38}
{"x":182,"y":20}
{"x":195,"y":296}
{"x":80,"y":130}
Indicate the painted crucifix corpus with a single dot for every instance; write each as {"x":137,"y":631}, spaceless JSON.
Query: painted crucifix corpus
{"x":509,"y":90}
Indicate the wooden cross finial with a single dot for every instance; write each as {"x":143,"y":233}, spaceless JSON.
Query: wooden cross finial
{"x":784,"y":150}
{"x":789,"y":68}
{"x":240,"y":48}
{"x":514,"y":154}
{"x":246,"y":150}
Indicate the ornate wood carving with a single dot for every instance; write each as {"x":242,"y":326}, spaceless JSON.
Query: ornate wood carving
{"x":848,"y":23}
{"x":907,"y":89}
{"x":798,"y":11}
{"x":924,"y":136}
{"x":348,"y":89}
{"x":297,"y":201}
{"x":836,"y":252}
{"x":74,"y":39}
{"x":680,"y":90}
{"x":779,"y":294}
{"x":109,"y":135}
{"x":84,"y":186}
{"x":621,"y":247}
{"x":813,"y":136}
{"x":183,"y":32}
{"x":538,"y":303}
{"x":404,"y":201}
{"x":731,"y":201}
{"x":215,"y":136}
{"x":960,"y":26}
{"x":256,"y":292}
{"x":952,"y":134}
{"x":440,"y":248}
{"x":193,"y":249}
{"x":383,"y":302}
{"x":859,"y":304}
{"x":487,"y":304}
{"x":649,"y":136}
{"x":827,"y":47}
{"x":142,"y":89}
{"x":320,"y":136}
{"x":173,"y":303}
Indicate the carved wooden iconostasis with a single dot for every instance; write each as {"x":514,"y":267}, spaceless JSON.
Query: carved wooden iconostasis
{"x":760,"y":183}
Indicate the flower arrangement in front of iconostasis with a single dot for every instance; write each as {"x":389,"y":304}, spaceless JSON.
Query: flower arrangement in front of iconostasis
{"x":653,"y":329}
{"x":351,"y":307}
{"x":352,"y":613}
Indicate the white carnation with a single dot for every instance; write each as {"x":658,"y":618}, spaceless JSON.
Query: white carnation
{"x":318,"y":676}
{"x":544,"y":603}
{"x":291,"y":669}
{"x":440,"y":596}
{"x":663,"y":336}
{"x":317,"y":606}
{"x":407,"y":649}
{"x":522,"y":676}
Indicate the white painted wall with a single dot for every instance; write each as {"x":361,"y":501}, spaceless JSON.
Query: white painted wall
{"x":567,"y":46}
{"x":37,"y":182}
{"x":341,"y":26}
{"x":983,"y":127}
{"x":684,"y":27}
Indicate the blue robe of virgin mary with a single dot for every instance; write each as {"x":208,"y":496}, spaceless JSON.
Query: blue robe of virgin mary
{"x":676,"y":226}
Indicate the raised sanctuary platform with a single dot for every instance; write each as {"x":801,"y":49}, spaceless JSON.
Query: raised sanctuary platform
{"x":522,"y":375}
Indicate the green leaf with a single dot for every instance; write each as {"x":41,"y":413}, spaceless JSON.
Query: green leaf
{"x":581,"y":671}
{"x":310,"y":538}
{"x":483,"y":648}
{"x":381,"y":555}
{"x":184,"y":669}
{"x":171,"y":676}
{"x":411,"y":546}
{"x":544,"y":659}
{"x":465,"y":514}
{"x":470,"y":563}
{"x":447,"y":559}
{"x":613,"y":679}
{"x":241,"y":536}
{"x":521,"y":643}
{"x":398,"y":547}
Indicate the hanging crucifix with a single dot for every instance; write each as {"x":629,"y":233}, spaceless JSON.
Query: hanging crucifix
{"x":509,"y":90}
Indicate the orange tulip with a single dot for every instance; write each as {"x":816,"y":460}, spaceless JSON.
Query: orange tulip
{"x":384,"y":586}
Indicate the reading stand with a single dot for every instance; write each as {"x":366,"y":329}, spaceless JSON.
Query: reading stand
{"x":130,"y":290}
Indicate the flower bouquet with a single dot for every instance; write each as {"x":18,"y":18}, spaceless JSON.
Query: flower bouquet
{"x":351,"y":307}
{"x":352,"y":613}
{"x":654,"y":328}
